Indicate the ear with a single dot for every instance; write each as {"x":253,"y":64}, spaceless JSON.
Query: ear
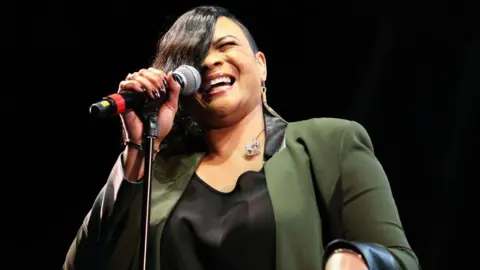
{"x":262,"y":65}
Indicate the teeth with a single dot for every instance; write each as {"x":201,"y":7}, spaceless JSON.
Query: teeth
{"x":219,"y":80}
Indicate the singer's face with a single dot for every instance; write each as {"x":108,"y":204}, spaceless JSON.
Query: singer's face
{"x":231,"y":78}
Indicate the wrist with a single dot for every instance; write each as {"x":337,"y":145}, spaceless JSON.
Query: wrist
{"x":345,"y":259}
{"x":140,"y":146}
{"x":347,"y":251}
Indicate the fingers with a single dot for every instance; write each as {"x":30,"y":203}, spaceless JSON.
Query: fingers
{"x":149,"y":81}
{"x":174,"y":91}
{"x":155,"y":83}
{"x":152,"y":81}
{"x":130,"y":85}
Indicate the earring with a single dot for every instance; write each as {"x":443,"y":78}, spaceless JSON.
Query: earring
{"x":264,"y":100}
{"x":264,"y":93}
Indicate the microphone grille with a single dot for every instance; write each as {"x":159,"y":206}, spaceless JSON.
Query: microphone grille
{"x":191,"y":79}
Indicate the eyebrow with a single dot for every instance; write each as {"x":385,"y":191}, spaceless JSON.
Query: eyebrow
{"x":218,"y":40}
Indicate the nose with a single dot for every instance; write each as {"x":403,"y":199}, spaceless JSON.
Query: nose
{"x":212,"y":61}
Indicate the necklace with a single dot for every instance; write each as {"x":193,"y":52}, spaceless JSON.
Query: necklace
{"x":253,"y":148}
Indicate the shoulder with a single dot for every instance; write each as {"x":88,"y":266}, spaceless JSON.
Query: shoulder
{"x":332,"y":130}
{"x":327,"y":125}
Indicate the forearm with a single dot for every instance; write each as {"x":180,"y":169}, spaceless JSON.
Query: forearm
{"x":134,"y":162}
{"x":367,"y":212}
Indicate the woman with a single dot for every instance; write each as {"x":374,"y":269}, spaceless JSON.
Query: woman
{"x":237,"y":187}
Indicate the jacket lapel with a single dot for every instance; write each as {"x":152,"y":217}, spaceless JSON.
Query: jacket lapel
{"x":171,"y":178}
{"x":275,"y":134}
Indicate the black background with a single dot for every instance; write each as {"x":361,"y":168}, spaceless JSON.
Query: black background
{"x":411,"y":80}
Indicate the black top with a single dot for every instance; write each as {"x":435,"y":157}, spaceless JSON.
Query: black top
{"x":209,"y":229}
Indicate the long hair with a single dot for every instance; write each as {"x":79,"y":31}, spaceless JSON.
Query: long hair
{"x":188,"y":42}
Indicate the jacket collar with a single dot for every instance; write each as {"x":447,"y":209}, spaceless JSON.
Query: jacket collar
{"x":275,"y":127}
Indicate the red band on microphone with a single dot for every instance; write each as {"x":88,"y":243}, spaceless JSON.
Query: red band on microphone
{"x":119,"y":101}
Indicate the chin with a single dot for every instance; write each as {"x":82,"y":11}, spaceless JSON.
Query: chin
{"x":219,"y":116}
{"x":222,"y":106}
{"x":219,"y":113}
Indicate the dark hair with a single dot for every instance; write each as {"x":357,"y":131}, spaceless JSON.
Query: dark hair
{"x":188,"y":42}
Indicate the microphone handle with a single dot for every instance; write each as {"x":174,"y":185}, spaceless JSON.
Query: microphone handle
{"x":118,"y":103}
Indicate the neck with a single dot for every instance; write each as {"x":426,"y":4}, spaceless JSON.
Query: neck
{"x":224,"y":142}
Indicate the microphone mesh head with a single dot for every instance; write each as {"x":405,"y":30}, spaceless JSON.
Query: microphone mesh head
{"x":191,"y":79}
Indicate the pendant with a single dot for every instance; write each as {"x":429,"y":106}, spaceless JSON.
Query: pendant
{"x":253,"y":148}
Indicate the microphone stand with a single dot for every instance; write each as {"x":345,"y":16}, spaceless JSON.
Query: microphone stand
{"x":149,"y":118}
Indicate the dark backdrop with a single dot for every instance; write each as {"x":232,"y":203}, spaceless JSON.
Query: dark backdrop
{"x":412,"y":81}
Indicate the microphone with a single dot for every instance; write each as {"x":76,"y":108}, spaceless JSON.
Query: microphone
{"x":187,"y":76}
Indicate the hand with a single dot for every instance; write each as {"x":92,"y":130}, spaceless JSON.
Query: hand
{"x":345,"y":261}
{"x":151,"y":81}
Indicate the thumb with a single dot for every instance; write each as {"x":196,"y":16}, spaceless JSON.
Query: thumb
{"x":174,"y":91}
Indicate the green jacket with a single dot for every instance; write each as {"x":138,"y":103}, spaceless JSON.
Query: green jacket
{"x":328,"y":190}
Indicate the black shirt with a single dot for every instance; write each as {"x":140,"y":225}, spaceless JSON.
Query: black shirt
{"x":209,"y":229}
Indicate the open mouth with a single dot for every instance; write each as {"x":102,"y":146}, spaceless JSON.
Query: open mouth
{"x":219,"y":84}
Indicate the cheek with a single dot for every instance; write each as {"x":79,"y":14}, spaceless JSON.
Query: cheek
{"x":242,"y":62}
{"x":249,"y":75}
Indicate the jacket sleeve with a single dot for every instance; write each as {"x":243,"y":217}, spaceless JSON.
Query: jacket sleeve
{"x":368,"y":216}
{"x":103,"y":219}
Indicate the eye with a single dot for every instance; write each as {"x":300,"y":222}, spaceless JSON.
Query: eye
{"x":227,"y":44}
